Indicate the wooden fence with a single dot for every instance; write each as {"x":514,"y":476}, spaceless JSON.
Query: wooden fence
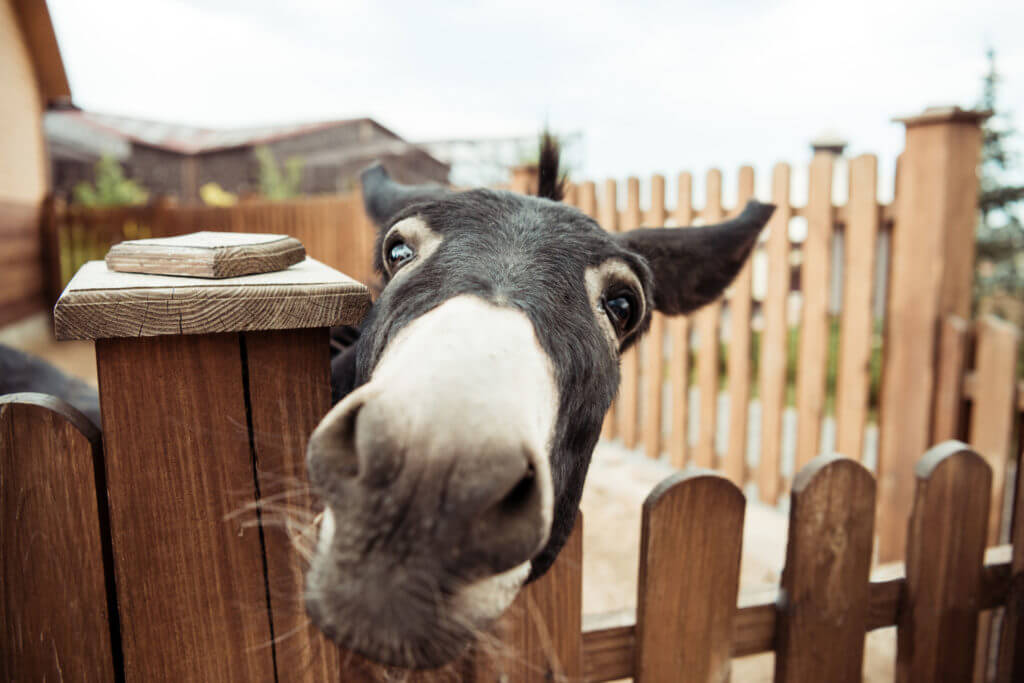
{"x":82,"y":602}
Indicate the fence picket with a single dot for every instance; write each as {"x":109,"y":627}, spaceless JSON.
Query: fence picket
{"x":54,"y":602}
{"x":707,"y":321}
{"x":856,"y":331}
{"x":949,"y":394}
{"x":734,"y":465}
{"x":945,"y":547}
{"x":1011,"y":646}
{"x":609,"y":220}
{"x":825,"y":583}
{"x":629,"y":363}
{"x":654,"y":344}
{"x":679,"y":354}
{"x":814,"y":322}
{"x":683,"y":550}
{"x":774,"y":341}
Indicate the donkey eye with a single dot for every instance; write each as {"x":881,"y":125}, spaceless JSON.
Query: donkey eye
{"x":622,"y":311}
{"x":399,"y":253}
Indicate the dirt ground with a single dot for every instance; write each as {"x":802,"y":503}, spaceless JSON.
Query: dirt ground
{"x":617,"y":485}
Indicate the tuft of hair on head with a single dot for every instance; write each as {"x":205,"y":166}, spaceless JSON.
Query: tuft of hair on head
{"x":550,"y":182}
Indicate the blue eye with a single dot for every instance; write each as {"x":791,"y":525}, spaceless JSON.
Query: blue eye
{"x":399,"y":253}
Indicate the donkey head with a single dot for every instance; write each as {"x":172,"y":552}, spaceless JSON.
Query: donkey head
{"x":451,"y":471}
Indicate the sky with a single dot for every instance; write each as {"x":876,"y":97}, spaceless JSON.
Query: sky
{"x":652,"y":87}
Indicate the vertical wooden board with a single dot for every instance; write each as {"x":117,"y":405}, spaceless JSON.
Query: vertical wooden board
{"x":823,"y":617}
{"x":684,"y":552}
{"x":54,"y":618}
{"x":856,"y":331}
{"x":542,"y":631}
{"x":735,"y":463}
{"x":289,"y":392}
{"x":1011,"y":646}
{"x":949,"y":391}
{"x":814,"y":328}
{"x":994,"y":406}
{"x":938,"y":622}
{"x":774,"y":339}
{"x":609,"y":220}
{"x":679,"y":334}
{"x":191,"y":587}
{"x":707,"y":321}
{"x":627,"y":404}
{"x":654,"y":344}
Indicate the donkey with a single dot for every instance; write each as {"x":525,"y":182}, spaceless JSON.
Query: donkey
{"x":451,"y":469}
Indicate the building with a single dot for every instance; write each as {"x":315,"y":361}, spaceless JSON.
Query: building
{"x":177,"y":160}
{"x":32,"y":81}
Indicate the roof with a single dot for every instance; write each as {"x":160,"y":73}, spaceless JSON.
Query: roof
{"x":37,"y":28}
{"x":186,"y":139}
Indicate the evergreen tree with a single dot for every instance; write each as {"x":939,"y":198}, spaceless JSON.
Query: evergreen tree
{"x":1000,"y":238}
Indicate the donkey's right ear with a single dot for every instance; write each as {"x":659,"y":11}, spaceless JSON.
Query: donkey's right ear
{"x":384,"y":198}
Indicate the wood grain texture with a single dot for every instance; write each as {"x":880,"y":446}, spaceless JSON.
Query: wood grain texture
{"x":54,"y":602}
{"x":654,"y":344}
{"x":207,"y":254}
{"x":679,"y":354}
{"x":99,"y":303}
{"x":608,"y":217}
{"x":856,"y":326}
{"x":1011,"y":645}
{"x":628,"y":401}
{"x":734,"y":465}
{"x":945,"y":549}
{"x":190,"y":582}
{"x":814,"y":286}
{"x":707,"y":322}
{"x":289,"y":392}
{"x":774,"y":339}
{"x":541,"y":632}
{"x":825,"y":582}
{"x":948,"y":410}
{"x":689,"y":577}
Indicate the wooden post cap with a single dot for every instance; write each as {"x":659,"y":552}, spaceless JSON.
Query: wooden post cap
{"x":944,"y":115}
{"x":207,"y":254}
{"x":100,"y":303}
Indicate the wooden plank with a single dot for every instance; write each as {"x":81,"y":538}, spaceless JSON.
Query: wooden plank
{"x":1011,"y":646}
{"x":856,"y":328}
{"x":774,"y":342}
{"x":679,"y":354}
{"x":191,"y":587}
{"x":707,"y":321}
{"x":542,"y":630}
{"x":55,"y":609}
{"x":945,"y":549}
{"x":99,"y":303}
{"x":289,"y":392}
{"x":735,"y":463}
{"x":685,"y":552}
{"x":954,"y":339}
{"x":207,"y":254}
{"x":654,"y":344}
{"x":826,"y":577}
{"x":814,"y":319}
{"x":609,"y":220}
{"x":627,"y":404}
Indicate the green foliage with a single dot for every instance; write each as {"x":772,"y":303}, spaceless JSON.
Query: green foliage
{"x":1000,"y":236}
{"x":111,"y":187}
{"x":277,"y":183}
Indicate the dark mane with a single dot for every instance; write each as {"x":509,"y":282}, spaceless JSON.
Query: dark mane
{"x":550,"y":184}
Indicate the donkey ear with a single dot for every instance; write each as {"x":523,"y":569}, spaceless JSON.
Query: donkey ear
{"x":384,"y":198}
{"x":693,"y":266}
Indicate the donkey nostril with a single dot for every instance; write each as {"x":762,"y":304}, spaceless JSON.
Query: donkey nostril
{"x":521,"y":493}
{"x":332,"y":447}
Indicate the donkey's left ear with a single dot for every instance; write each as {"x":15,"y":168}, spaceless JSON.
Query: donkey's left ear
{"x":384,"y":198}
{"x":693,"y":266}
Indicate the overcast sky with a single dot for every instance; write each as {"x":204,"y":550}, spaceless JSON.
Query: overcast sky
{"x":653,"y":87}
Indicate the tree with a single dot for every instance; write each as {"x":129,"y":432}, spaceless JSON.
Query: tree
{"x":999,"y":276}
{"x":275,"y":184}
{"x":111,"y":187}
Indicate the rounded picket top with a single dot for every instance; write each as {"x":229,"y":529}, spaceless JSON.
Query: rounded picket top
{"x":61,"y":408}
{"x":671,"y":485}
{"x":947,"y":451}
{"x":814,"y":470}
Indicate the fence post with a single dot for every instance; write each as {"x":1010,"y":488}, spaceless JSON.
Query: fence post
{"x":208,"y":391}
{"x":932,"y":258}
